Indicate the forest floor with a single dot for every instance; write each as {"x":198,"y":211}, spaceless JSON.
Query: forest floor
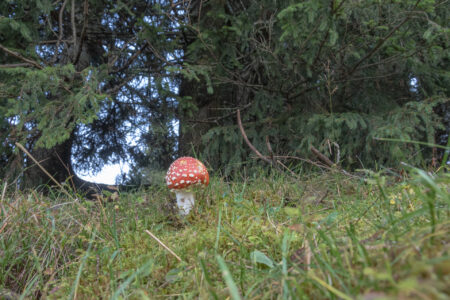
{"x":325,"y":236}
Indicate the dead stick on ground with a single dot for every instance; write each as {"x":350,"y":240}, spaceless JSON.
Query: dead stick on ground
{"x":328,"y":162}
{"x":43,"y":170}
{"x":322,"y":157}
{"x":162,"y":244}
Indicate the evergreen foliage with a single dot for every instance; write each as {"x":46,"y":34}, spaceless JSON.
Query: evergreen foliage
{"x":85,"y":78}
{"x":322,"y":72}
{"x":80,"y":80}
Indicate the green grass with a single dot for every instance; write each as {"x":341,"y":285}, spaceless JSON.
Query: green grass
{"x":265,"y":237}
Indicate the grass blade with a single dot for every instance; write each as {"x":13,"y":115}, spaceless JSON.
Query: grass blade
{"x":412,"y":142}
{"x":219,"y":225}
{"x":329,"y":287}
{"x":130,"y":278}
{"x":73,"y":292}
{"x":234,"y":292}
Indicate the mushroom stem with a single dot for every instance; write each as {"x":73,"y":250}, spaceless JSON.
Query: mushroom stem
{"x":185,"y":201}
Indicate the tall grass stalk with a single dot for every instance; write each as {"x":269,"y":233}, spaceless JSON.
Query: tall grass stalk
{"x":73,"y":292}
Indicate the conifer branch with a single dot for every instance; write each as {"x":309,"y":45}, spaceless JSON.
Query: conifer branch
{"x":381,"y":42}
{"x":375,"y":49}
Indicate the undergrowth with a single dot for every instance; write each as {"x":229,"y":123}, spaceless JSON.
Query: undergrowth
{"x":265,"y":237}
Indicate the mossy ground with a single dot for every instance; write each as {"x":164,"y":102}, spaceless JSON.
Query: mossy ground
{"x":267,"y":237}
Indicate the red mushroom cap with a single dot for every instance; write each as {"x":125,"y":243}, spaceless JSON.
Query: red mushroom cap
{"x":186,"y":171}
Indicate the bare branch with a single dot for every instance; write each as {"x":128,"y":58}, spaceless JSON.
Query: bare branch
{"x":44,"y":170}
{"x":60,"y":34}
{"x":269,"y":147}
{"x":74,"y":26}
{"x":289,"y":170}
{"x":328,"y":162}
{"x":247,"y":141}
{"x":130,"y":61}
{"x":23,"y":65}
{"x":322,"y":157}
{"x":15,"y":54}
{"x":83,"y":31}
{"x":319,"y":165}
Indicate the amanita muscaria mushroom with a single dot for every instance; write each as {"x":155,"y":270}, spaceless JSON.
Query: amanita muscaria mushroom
{"x":182,"y":176}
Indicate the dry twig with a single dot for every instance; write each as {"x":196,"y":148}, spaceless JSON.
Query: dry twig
{"x":247,"y":140}
{"x":4,"y":191}
{"x":83,"y":32}
{"x":60,"y":33}
{"x":17,"y":55}
{"x":322,"y":157}
{"x":162,"y":244}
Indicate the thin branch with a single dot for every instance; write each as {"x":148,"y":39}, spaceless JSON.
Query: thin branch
{"x":117,"y":87}
{"x":60,"y":33}
{"x":247,"y":140}
{"x":132,"y":58}
{"x":269,"y":147}
{"x":83,"y":31}
{"x":51,"y":42}
{"x":4,"y":191}
{"x":44,"y":170}
{"x":22,"y":65}
{"x":215,"y":120}
{"x":74,"y":26}
{"x":15,"y":54}
{"x":289,"y":170}
{"x":322,"y":157}
{"x":320,"y":47}
{"x":328,"y":162}
{"x":319,"y":165}
{"x":339,"y":6}
{"x":381,"y":42}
